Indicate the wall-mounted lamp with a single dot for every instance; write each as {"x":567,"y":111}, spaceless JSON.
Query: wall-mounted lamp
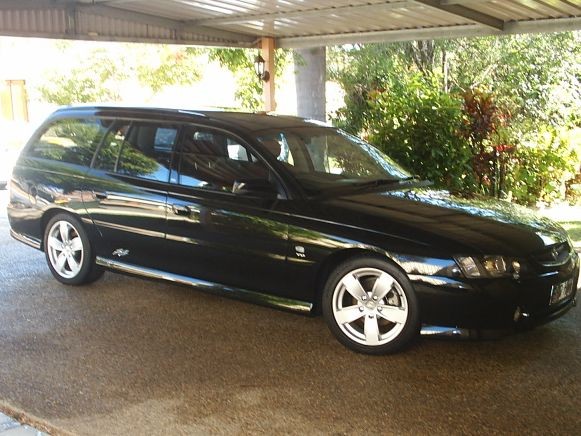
{"x":260,"y":68}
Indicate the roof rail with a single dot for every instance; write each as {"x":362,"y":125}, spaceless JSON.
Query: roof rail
{"x":199,"y":114}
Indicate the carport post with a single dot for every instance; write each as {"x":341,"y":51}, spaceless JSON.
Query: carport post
{"x":267,"y":47}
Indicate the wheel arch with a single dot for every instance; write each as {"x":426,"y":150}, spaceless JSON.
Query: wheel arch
{"x":335,"y":259}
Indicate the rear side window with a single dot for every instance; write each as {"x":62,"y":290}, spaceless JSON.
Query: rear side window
{"x":139,"y":149}
{"x":71,"y":140}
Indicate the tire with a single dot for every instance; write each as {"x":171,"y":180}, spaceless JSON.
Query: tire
{"x":370,"y":306}
{"x":68,"y":251}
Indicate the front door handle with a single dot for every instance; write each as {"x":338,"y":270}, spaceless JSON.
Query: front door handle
{"x":180,"y":210}
{"x":100,"y":195}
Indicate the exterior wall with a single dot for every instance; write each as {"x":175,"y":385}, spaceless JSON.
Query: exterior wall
{"x":13,"y":100}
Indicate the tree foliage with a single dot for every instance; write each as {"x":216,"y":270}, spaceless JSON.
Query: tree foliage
{"x":93,"y":80}
{"x":537,"y":77}
{"x":99,"y":74}
{"x":469,"y":113}
{"x":169,"y":67}
{"x":543,"y":162}
{"x":241,"y":63}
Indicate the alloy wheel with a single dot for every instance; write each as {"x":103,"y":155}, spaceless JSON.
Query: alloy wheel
{"x":65,"y":249}
{"x":370,"y":306}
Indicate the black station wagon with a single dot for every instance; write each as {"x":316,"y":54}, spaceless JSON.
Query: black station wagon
{"x":284,"y":212}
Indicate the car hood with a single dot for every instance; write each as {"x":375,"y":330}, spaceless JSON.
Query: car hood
{"x":454,"y":223}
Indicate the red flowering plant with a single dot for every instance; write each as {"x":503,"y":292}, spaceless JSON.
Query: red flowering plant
{"x":483,"y":128}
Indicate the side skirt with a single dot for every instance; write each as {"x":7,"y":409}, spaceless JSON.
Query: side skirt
{"x":25,"y":239}
{"x":444,"y":332}
{"x":214,"y":288}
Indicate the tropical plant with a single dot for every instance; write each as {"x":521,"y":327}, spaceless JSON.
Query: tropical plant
{"x":482,"y":122}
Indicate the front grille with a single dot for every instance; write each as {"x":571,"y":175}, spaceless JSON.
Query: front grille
{"x":557,"y":254}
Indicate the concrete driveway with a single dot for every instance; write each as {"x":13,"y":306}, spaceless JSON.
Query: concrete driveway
{"x":128,"y":356}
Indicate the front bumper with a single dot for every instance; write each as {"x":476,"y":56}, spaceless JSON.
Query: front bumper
{"x":499,"y":304}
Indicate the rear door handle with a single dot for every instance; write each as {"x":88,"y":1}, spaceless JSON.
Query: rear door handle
{"x":100,"y":195}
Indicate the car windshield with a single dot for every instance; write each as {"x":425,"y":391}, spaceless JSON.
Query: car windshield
{"x":324,"y":159}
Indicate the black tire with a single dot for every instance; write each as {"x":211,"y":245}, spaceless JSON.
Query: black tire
{"x":370,"y":313}
{"x":79,"y":267}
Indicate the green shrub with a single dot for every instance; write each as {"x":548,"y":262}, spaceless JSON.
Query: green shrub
{"x":463,"y":142}
{"x":418,"y":125}
{"x":543,"y":164}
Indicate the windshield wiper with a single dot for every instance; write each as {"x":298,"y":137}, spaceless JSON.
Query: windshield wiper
{"x":383,"y":182}
{"x":354,"y":187}
{"x":377,"y":182}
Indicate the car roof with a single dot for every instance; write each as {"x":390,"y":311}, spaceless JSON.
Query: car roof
{"x":242,"y":120}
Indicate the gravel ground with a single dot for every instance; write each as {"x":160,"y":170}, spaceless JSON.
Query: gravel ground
{"x":128,"y":356}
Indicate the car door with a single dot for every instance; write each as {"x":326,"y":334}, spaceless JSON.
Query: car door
{"x":126,"y":191}
{"x":224,"y":220}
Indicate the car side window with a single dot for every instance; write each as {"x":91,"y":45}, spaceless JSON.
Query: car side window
{"x":108,"y":155}
{"x":70,"y":140}
{"x":139,"y":149}
{"x":216,"y":161}
{"x":278,"y":146}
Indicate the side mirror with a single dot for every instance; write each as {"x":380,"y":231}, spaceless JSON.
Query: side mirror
{"x":256,"y":188}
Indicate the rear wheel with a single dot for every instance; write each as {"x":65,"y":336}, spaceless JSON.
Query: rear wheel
{"x":68,"y":251}
{"x":370,"y":306}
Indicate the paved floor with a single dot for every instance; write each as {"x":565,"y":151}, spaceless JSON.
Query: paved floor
{"x":11,"y":427}
{"x":127,"y":356}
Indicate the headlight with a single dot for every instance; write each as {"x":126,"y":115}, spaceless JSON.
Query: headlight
{"x":489,"y":266}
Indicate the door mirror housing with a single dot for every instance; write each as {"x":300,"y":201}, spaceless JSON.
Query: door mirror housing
{"x":256,"y":188}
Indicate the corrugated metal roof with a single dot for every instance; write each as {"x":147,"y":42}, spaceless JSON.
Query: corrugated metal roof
{"x":294,"y":23}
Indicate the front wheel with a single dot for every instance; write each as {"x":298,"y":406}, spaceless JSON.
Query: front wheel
{"x":370,"y":306}
{"x":68,"y":251}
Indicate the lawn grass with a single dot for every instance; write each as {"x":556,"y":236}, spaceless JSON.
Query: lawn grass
{"x":569,"y":216}
{"x":574,"y":230}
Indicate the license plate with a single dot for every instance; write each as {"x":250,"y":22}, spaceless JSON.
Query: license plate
{"x":561,"y":291}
